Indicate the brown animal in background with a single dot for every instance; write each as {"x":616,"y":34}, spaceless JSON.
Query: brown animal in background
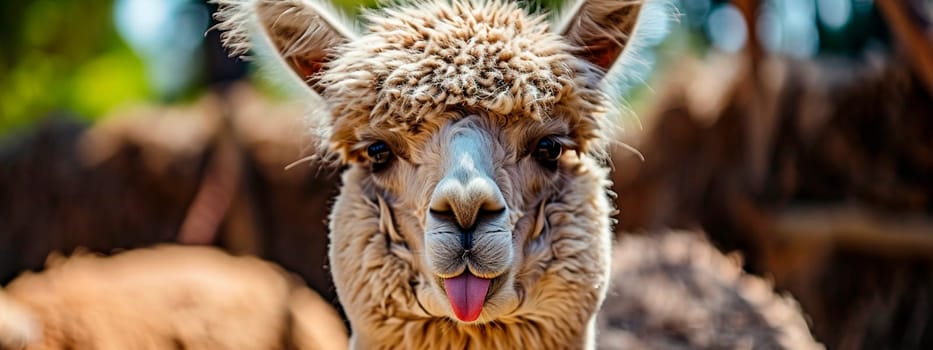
{"x":169,"y":297}
{"x":675,"y":290}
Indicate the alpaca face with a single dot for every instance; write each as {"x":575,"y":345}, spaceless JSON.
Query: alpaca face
{"x":466,"y":199}
{"x":470,"y":129}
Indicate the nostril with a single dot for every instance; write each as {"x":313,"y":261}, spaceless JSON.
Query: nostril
{"x":466,"y":202}
{"x":447,"y":214}
{"x":481,"y":215}
{"x":489,"y":214}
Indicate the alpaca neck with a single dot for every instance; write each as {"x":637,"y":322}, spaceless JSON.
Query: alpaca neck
{"x":443,"y":333}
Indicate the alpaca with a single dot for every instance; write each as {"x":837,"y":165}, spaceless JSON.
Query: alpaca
{"x":474,"y":211}
{"x":169,"y":297}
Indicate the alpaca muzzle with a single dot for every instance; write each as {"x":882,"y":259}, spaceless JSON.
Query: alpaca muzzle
{"x":468,"y":239}
{"x":467,"y":228}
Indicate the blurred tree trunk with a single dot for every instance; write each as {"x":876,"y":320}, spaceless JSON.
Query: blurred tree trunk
{"x":132,"y":180}
{"x":741,"y":160}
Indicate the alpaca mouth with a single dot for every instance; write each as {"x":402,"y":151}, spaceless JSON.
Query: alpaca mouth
{"x":467,"y":294}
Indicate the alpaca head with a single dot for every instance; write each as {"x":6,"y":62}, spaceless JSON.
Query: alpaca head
{"x":466,"y":125}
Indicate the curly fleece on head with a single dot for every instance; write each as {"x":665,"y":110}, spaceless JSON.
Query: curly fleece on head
{"x":420,"y":59}
{"x":416,"y":60}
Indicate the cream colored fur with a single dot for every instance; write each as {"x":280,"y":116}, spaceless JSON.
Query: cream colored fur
{"x":461,"y":92}
{"x":165,"y":298}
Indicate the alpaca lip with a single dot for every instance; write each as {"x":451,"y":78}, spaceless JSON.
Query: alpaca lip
{"x":467,"y":295}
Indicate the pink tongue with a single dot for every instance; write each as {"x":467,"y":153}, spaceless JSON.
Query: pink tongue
{"x":466,"y":294}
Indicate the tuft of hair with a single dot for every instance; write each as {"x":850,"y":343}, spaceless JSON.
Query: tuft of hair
{"x":653,"y":25}
{"x":283,"y":45}
{"x":240,"y":21}
{"x":18,"y":327}
{"x":309,"y":24}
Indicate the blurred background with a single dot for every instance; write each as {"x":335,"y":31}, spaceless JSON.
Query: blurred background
{"x":797,"y":133}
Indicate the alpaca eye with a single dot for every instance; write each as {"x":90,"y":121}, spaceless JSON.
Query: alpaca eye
{"x":548,"y":151}
{"x":380,"y":154}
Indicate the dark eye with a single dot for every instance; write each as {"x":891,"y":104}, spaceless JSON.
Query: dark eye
{"x":548,"y":151}
{"x":380,"y":154}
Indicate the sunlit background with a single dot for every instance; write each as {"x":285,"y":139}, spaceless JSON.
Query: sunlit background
{"x":86,"y":57}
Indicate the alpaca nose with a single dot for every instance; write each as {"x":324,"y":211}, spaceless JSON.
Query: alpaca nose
{"x":467,"y":199}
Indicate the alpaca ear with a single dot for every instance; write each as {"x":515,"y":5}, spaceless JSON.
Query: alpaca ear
{"x":302,"y":33}
{"x":600,"y":29}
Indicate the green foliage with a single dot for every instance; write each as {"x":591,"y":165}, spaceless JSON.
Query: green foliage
{"x":352,"y":7}
{"x":63,"y":55}
{"x":60,"y":55}
{"x":66,"y":55}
